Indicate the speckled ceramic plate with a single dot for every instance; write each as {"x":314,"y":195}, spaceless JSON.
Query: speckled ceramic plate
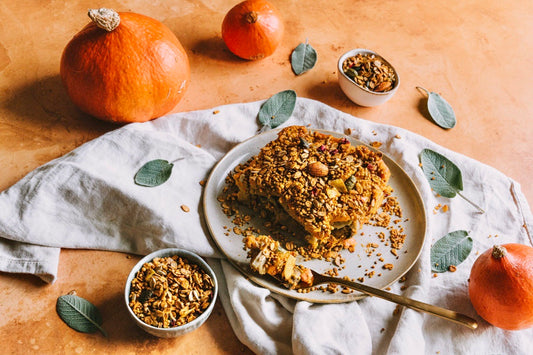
{"x":358,"y":263}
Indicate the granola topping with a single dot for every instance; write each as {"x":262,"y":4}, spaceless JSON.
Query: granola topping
{"x":169,"y":292}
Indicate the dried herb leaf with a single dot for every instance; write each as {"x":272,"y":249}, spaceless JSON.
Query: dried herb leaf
{"x":450,"y":250}
{"x":303,"y":58}
{"x":154,"y":173}
{"x":440,"y":110}
{"x":79,"y":314}
{"x":444,"y":177}
{"x":277,"y":109}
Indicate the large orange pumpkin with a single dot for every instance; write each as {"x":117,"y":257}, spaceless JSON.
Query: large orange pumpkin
{"x":252,"y":29}
{"x":125,"y":67}
{"x":501,"y":286}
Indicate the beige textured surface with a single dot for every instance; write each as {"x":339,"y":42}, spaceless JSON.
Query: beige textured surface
{"x":477,"y":54}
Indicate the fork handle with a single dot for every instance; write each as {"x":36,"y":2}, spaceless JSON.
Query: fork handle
{"x":407,"y":302}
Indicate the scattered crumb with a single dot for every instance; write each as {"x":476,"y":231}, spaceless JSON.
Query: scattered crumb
{"x":216,"y":112}
{"x":397,"y":136}
{"x":396,"y":310}
{"x":185,"y":208}
{"x":348,"y":131}
{"x":375,"y":144}
{"x":452,"y":268}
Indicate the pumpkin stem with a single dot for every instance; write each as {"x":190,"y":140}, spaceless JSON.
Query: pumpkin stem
{"x":251,"y":17}
{"x":498,"y":252}
{"x":106,"y":19}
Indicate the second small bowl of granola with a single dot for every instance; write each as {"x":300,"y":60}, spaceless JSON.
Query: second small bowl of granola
{"x":170,"y":292}
{"x":366,"y":77}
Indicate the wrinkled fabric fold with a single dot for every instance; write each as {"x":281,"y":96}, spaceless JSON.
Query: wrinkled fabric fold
{"x":88,"y":199}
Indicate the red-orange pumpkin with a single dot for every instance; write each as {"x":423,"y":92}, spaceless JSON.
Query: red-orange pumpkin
{"x":501,"y":286}
{"x":252,"y":29}
{"x":125,"y":67}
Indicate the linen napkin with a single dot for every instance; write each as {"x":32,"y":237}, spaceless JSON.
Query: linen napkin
{"x":87,"y":199}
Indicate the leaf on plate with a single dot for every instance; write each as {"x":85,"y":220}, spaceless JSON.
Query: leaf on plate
{"x":440,"y":110}
{"x":153,"y":173}
{"x":303,"y":58}
{"x":444,"y":176}
{"x":277,"y":109}
{"x":79,"y":314}
{"x":450,"y":250}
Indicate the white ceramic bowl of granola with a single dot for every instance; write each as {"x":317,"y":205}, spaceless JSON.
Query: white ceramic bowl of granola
{"x":360,"y":95}
{"x":173,"y":331}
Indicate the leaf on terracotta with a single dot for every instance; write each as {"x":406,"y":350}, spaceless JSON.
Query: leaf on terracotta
{"x":303,"y":58}
{"x":79,"y":314}
{"x":440,"y":110}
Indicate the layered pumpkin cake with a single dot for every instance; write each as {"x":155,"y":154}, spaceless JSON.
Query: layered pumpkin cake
{"x":327,"y":185}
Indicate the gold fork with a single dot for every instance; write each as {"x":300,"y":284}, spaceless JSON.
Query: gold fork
{"x":444,"y":313}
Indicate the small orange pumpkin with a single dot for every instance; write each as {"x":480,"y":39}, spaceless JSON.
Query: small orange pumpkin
{"x":125,"y":67}
{"x":501,"y":286}
{"x":252,"y":29}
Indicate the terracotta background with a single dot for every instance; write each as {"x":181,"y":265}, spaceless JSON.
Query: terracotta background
{"x":476,"y":53}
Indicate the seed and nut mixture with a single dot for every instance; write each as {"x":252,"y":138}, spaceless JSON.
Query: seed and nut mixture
{"x":169,"y":292}
{"x":369,"y":72}
{"x":322,"y":182}
{"x":274,"y":222}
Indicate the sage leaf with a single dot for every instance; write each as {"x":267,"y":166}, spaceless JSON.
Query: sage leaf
{"x":79,"y":314}
{"x":443,"y":175}
{"x":440,"y":110}
{"x":450,"y":250}
{"x":153,"y":173}
{"x":303,"y":58}
{"x":277,"y":109}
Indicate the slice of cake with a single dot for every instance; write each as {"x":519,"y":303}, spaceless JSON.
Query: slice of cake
{"x":324,"y":183}
{"x":266,"y":257}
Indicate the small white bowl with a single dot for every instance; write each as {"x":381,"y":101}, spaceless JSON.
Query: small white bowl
{"x":185,"y":328}
{"x":359,"y":95}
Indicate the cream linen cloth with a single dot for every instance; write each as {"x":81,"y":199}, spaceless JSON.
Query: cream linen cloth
{"x":87,"y":199}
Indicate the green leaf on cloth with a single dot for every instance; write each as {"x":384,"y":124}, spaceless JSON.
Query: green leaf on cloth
{"x":443,"y":175}
{"x":153,"y":173}
{"x":277,"y":109}
{"x":450,"y":250}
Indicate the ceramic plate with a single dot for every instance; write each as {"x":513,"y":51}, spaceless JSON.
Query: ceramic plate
{"x":358,"y":263}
